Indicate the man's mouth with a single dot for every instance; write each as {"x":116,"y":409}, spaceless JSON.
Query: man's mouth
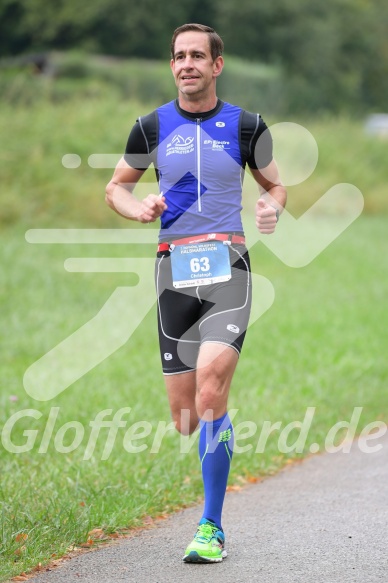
{"x":189,"y":77}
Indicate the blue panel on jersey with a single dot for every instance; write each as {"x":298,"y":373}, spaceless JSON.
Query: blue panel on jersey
{"x":180,"y":198}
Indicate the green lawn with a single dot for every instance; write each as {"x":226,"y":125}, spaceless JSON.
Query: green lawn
{"x":322,"y":344}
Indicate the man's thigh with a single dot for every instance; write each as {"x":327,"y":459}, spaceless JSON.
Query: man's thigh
{"x":178,"y":314}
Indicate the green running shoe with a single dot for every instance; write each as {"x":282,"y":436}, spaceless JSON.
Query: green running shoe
{"x":208,"y":545}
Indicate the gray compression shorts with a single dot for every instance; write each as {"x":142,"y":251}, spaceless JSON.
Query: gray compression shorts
{"x":189,"y":317}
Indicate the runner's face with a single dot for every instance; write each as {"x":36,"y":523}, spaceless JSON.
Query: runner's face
{"x":193,"y":68}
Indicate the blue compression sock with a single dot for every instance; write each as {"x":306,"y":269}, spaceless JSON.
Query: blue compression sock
{"x":215,"y":453}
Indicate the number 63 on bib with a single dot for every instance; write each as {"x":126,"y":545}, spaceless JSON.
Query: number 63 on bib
{"x":200,"y":264}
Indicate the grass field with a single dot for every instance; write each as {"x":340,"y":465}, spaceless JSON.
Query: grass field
{"x":322,"y":344}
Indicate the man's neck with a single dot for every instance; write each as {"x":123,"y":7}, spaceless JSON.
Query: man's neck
{"x":197,"y":106}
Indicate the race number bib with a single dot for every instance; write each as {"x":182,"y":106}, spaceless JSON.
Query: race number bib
{"x":200,"y":264}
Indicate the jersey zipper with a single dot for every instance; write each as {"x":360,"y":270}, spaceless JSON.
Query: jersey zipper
{"x":198,"y":121}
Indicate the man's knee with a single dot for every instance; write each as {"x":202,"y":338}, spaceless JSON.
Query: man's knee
{"x":209,"y":397}
{"x":213,"y":384}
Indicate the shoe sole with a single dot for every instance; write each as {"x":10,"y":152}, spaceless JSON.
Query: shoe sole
{"x":194,"y":557}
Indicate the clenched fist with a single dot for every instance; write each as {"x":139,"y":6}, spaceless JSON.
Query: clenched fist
{"x":151,"y":208}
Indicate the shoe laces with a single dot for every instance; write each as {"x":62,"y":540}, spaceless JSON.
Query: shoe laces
{"x":205,"y":532}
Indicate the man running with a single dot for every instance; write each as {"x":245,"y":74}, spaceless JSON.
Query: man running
{"x":199,"y":146}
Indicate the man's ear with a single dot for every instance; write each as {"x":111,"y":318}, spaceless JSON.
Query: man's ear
{"x":218,"y":65}
{"x":172,"y":63}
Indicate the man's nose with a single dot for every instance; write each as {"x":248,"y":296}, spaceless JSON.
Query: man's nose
{"x":188,"y":63}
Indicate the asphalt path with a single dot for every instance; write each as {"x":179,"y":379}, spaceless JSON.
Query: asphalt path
{"x":324,"y":520}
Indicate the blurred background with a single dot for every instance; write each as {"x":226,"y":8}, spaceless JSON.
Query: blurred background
{"x":77,"y":75}
{"x":291,"y":57}
{"x":74,"y":76}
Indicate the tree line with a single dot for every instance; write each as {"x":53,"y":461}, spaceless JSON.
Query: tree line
{"x":333,"y":55}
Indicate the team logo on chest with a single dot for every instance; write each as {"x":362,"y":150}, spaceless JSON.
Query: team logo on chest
{"x":216,"y":145}
{"x":180,"y":145}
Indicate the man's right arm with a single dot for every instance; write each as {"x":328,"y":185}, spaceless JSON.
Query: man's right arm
{"x":120,"y":197}
{"x":137,"y":158}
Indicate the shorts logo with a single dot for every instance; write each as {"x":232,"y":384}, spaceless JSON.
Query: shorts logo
{"x":220,"y":124}
{"x":233,"y":328}
{"x":167,"y":356}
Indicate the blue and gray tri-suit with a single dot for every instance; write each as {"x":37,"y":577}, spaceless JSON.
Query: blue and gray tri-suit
{"x":199,"y":161}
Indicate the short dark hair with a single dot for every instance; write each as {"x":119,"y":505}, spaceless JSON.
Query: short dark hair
{"x":215,"y":41}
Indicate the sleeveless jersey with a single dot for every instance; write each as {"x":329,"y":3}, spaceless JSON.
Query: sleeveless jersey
{"x":199,"y":161}
{"x":200,"y":171}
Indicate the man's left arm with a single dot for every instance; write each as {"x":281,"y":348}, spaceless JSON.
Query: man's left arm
{"x":273,"y":197}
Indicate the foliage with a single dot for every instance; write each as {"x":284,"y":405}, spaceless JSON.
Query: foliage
{"x":326,"y":49}
{"x":333,"y":55}
{"x":72,"y":74}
